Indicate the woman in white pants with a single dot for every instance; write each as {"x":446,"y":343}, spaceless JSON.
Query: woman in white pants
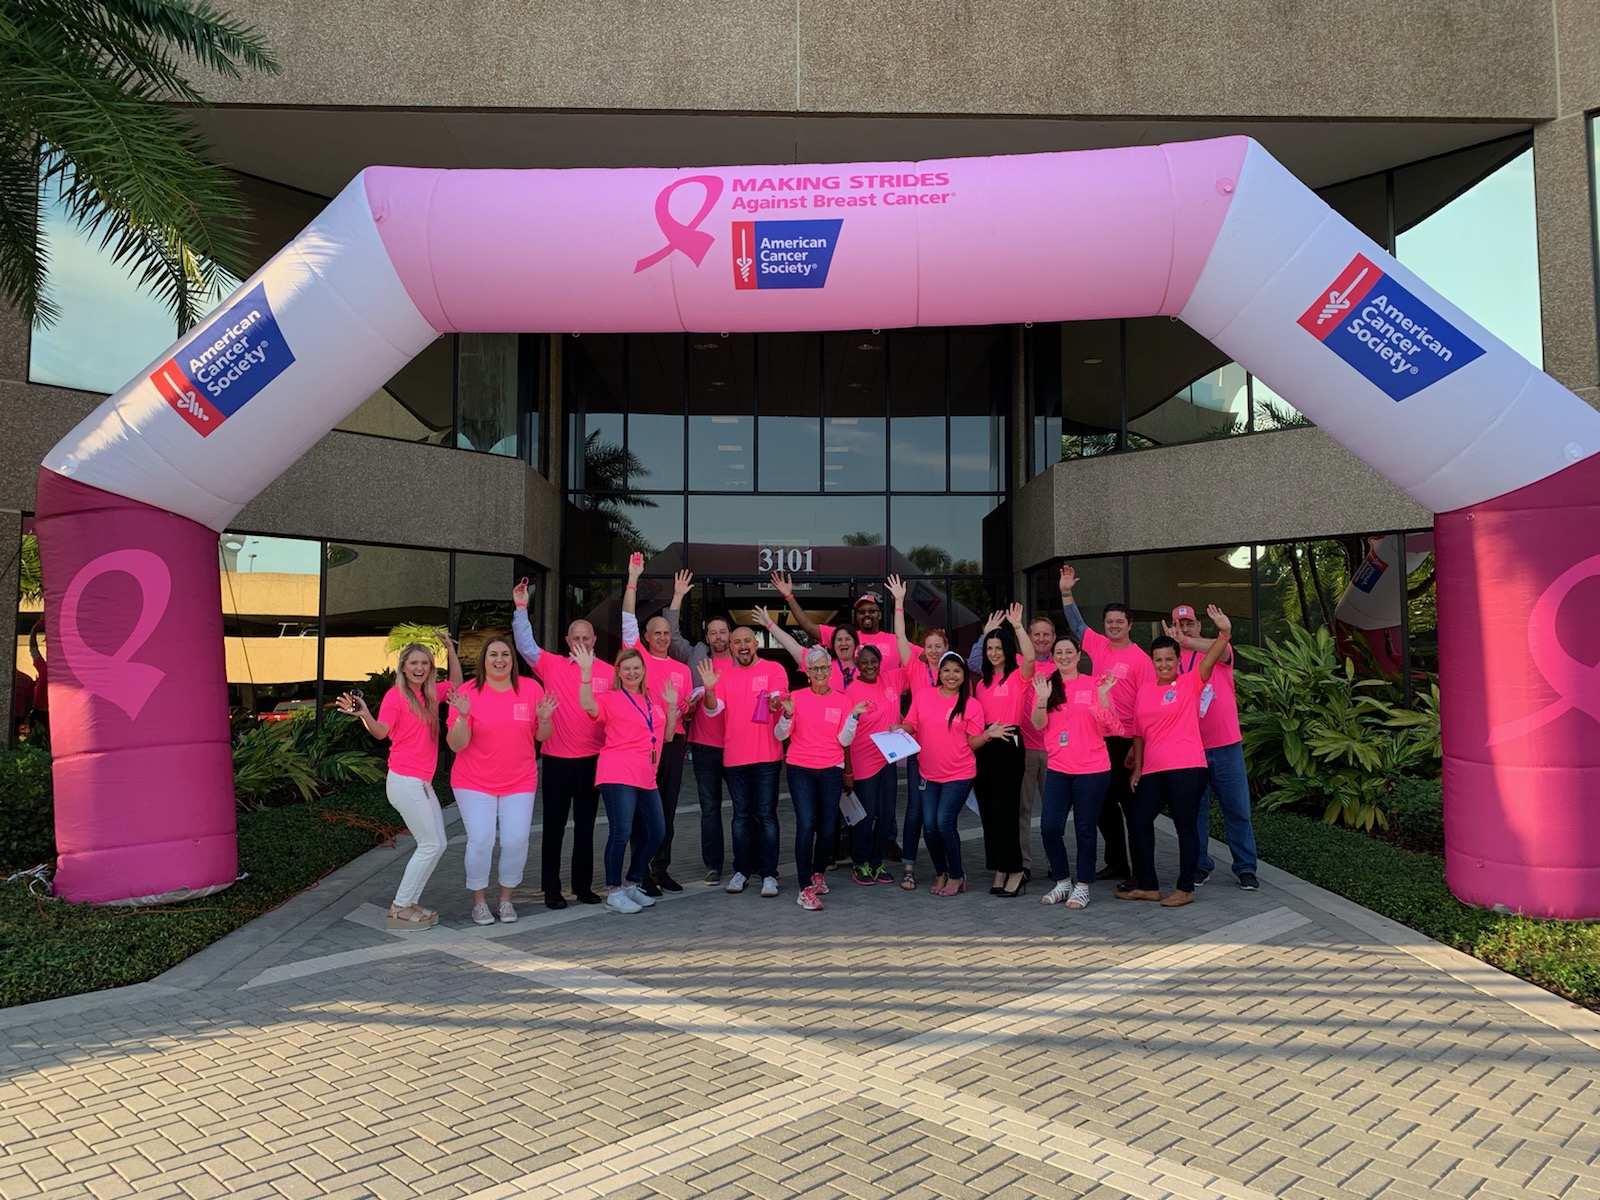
{"x":494,"y":723}
{"x":409,"y":718}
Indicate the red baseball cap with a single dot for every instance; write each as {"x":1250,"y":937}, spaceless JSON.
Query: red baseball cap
{"x":867,"y":598}
{"x":1184,"y":612}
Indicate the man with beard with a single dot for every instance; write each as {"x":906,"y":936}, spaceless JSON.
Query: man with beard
{"x":868,"y":620}
{"x":752,"y":691}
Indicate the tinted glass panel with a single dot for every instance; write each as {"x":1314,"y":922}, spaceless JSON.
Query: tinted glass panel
{"x":655,"y":410}
{"x":487,"y":396}
{"x":789,"y":399}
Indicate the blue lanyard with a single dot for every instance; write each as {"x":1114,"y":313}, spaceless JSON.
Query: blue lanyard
{"x":648,"y":712}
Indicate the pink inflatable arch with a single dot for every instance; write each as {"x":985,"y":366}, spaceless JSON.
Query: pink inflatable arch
{"x":1215,"y":233}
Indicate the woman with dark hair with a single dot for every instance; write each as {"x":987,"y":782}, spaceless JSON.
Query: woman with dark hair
{"x":948,"y":724}
{"x":409,"y":718}
{"x":922,"y":673}
{"x":637,"y":728}
{"x":1075,"y":717}
{"x":1169,"y":764}
{"x":874,"y":696}
{"x":495,"y":724}
{"x":1003,"y":694}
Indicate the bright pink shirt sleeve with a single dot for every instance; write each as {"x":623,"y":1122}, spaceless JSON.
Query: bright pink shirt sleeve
{"x":635,"y":727}
{"x":814,"y":729}
{"x":413,"y":748}
{"x":748,"y":739}
{"x":500,"y":757}
{"x":1033,"y":739}
{"x":946,"y":755}
{"x":865,"y":759}
{"x":1075,"y":735}
{"x":1167,"y":717}
{"x":1130,"y":666}
{"x":1219,"y":722}
{"x":572,"y":733}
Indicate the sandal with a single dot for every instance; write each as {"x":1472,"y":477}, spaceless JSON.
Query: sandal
{"x":1057,"y":894}
{"x":1079,"y":897}
{"x":413,"y":917}
{"x":908,"y":879}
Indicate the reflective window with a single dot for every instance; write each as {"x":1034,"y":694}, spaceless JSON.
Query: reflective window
{"x":1300,"y":583}
{"x":820,"y":522}
{"x":854,"y":451}
{"x":596,"y":458}
{"x":980,"y":398}
{"x":488,"y":392}
{"x":271,"y":597}
{"x":602,"y":530}
{"x":378,"y":599}
{"x":790,"y":404}
{"x":1181,"y":388}
{"x":941,"y":533}
{"x":918,"y":410}
{"x":655,"y":409}
{"x":722,"y":423}
{"x":483,"y":604}
{"x":417,"y":404}
{"x":1216,"y":575}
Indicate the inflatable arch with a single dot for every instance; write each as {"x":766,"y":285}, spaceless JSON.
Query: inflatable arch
{"x":1215,"y":233}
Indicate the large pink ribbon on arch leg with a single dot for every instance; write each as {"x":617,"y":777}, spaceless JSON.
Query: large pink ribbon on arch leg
{"x":115,"y":676}
{"x":1577,"y":684}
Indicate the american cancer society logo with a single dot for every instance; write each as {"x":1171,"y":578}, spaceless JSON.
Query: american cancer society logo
{"x":783,"y":254}
{"x":1385,"y":332}
{"x":226,"y":364}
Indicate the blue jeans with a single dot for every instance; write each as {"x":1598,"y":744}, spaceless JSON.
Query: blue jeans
{"x":625,"y":803}
{"x":1082,"y":796}
{"x":1232,"y":785}
{"x":815,"y":792}
{"x":914,"y":801}
{"x":870,"y":836}
{"x":708,"y":777}
{"x":891,"y":777}
{"x":753,"y":789}
{"x":941,"y":808}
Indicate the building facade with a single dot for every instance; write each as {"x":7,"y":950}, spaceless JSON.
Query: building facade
{"x":971,"y":460}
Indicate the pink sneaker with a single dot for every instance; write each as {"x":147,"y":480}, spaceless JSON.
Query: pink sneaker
{"x":808,"y":900}
{"x":819,"y":885}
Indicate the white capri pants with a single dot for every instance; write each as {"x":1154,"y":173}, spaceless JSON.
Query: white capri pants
{"x":415,"y":801}
{"x":479,"y":814}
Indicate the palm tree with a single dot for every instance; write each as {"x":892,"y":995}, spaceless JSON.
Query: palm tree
{"x":86,"y":108}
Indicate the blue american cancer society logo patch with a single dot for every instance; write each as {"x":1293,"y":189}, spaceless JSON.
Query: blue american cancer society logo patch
{"x":1385,"y":332}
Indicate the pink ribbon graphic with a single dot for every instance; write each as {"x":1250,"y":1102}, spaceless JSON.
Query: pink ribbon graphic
{"x":1576,"y":683}
{"x":686,"y":238}
{"x":113,"y":677}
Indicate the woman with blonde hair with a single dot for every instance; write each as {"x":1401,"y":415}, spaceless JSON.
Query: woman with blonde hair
{"x":409,"y":719}
{"x":495,"y":726}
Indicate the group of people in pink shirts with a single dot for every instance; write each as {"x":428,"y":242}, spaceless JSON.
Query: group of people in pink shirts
{"x":1019,"y":723}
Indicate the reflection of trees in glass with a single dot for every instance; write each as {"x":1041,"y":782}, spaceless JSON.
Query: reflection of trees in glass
{"x":30,"y":582}
{"x":1274,"y":414}
{"x":609,"y":469}
{"x":968,"y":591}
{"x":1084,"y":445}
{"x":1317,"y":573}
{"x":862,"y":539}
{"x":1423,"y":616}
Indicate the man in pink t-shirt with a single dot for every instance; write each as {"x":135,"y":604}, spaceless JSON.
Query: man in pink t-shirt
{"x":1115,"y":652}
{"x":867,"y":611}
{"x":1219,"y":733}
{"x":751,"y":691}
{"x":569,"y":756}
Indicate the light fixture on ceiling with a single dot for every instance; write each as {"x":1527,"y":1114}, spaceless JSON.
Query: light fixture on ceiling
{"x":703,"y":346}
{"x":731,"y":449}
{"x":1239,"y":558}
{"x":1093,"y":362}
{"x":724,"y":420}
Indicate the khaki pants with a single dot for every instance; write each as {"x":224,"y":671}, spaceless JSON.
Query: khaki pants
{"x":1033,"y":773}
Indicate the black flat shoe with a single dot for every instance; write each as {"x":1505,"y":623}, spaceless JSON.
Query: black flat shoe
{"x":589,"y":898}
{"x":555,"y":901}
{"x":1110,"y":873}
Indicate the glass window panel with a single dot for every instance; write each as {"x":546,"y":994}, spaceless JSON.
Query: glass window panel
{"x":487,"y":392}
{"x":1099,"y":584}
{"x":854,"y":448}
{"x":1042,"y":349}
{"x":1299,"y":583}
{"x":604,"y":529}
{"x":1216,"y":575}
{"x":270,"y":599}
{"x":1422,"y":610}
{"x":940,"y":534}
{"x":789,"y":399}
{"x":846,"y":532}
{"x":972,"y":599}
{"x":655,"y":411}
{"x":917,"y":410}
{"x":1177,"y":389}
{"x":25,"y":696}
{"x":598,"y":601}
{"x":372,"y":591}
{"x":1091,"y":387}
{"x":980,"y":398}
{"x":1215,"y":405}
{"x":722,"y":454}
{"x":594,"y":402}
{"x":1364,"y":203}
{"x":1498,"y":282}
{"x":1271,"y":411}
{"x":483,"y":604}
{"x":416,"y":404}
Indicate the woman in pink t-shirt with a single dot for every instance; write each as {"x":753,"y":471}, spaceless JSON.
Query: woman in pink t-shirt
{"x":1005,"y":695}
{"x":867,"y":773}
{"x":1075,"y":716}
{"x":948,"y":724}
{"x":637,"y":729}
{"x":922,"y":672}
{"x":409,"y":718}
{"x":818,"y":725}
{"x":494,"y":725}
{"x":1169,"y":764}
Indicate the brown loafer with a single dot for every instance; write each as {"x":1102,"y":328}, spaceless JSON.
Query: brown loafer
{"x":1177,"y":899}
{"x":1138,"y":894}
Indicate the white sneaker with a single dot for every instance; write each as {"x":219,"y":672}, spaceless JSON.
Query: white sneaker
{"x":736,"y":884}
{"x":508,"y":912}
{"x":819,"y":885}
{"x":481,"y":915}
{"x":618,"y":902}
{"x":633,"y":893}
{"x":769,"y":886}
{"x":809,"y":900}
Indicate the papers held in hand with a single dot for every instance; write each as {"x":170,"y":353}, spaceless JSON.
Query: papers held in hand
{"x":895,"y":745}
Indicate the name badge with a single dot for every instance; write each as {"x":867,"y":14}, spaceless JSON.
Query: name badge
{"x":1170,"y":696}
{"x":1063,"y":737}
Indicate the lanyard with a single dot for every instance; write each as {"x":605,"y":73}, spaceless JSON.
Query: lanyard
{"x":648,"y":712}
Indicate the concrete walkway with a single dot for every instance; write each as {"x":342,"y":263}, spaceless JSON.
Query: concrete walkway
{"x":1277,"y":1043}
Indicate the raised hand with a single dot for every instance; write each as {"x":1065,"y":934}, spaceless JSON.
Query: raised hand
{"x":862,"y":707}
{"x":1014,"y":615}
{"x":681,"y":583}
{"x":897,"y":589}
{"x":1172,"y":632}
{"x":1107,"y":682}
{"x":635,"y":566}
{"x":708,"y":674}
{"x":520,"y":593}
{"x":459,"y":701}
{"x":787,"y":704}
{"x":547,"y":706}
{"x":996,"y":619}
{"x":443,"y":634}
{"x":584,"y":657}
{"x":1069,"y":580}
{"x":669,"y":695}
{"x":352,"y":705}
{"x":1224,"y":625}
{"x":783,"y":583}
{"x":1041,"y":686}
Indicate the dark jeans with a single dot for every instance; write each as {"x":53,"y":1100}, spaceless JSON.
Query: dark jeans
{"x":1114,"y":819}
{"x":891,"y":830}
{"x":708,"y":779}
{"x":870,"y":836}
{"x":1178,"y":791}
{"x":669,"y":782}
{"x":569,"y":788}
{"x":1082,"y":796}
{"x":941,"y":809}
{"x":753,"y":789}
{"x":1229,"y":780}
{"x":913,"y":824}
{"x":999,"y":788}
{"x":815,"y":793}
{"x":627,"y":806}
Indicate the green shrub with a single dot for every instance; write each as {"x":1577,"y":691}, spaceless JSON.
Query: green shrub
{"x":279,"y":762}
{"x":1317,"y":736}
{"x":27,"y":813}
{"x":1416,"y":814}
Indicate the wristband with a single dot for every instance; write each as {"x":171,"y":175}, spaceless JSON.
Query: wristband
{"x":521,"y":605}
{"x":632,"y":587}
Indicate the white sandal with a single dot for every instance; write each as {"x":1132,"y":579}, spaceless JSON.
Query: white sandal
{"x":1079,"y":897}
{"x":1057,"y":894}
